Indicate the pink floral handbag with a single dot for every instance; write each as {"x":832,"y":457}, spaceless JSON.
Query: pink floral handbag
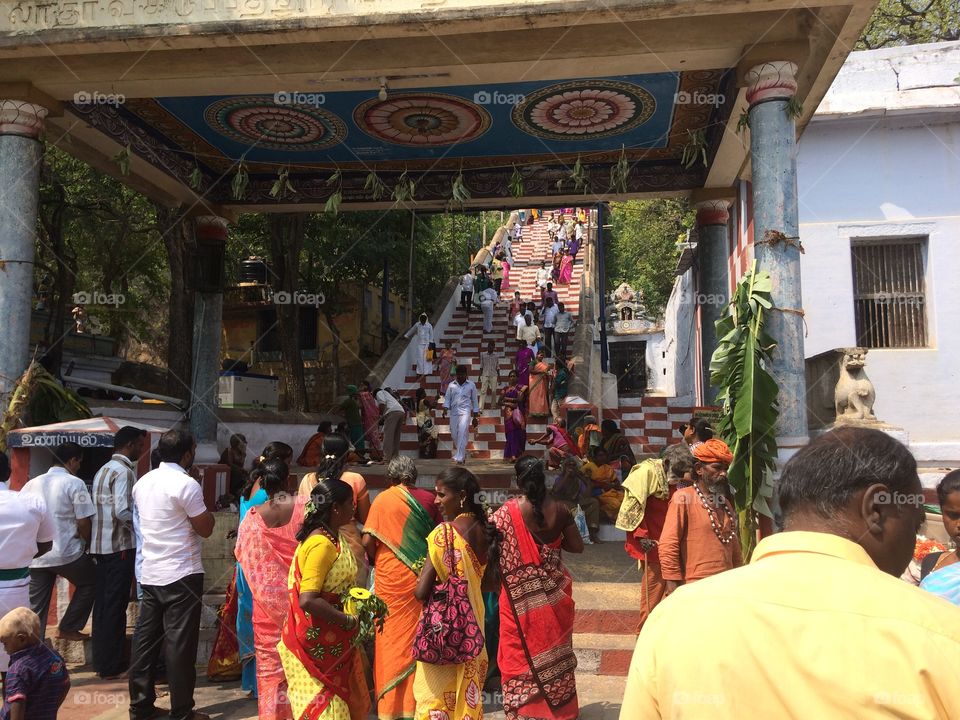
{"x":448,"y":632}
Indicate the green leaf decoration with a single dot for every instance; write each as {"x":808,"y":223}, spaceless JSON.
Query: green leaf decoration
{"x":695,"y":149}
{"x":332,"y":206}
{"x":515,"y":185}
{"x":375,"y":186}
{"x":581,"y":181}
{"x":620,"y":173}
{"x":122,"y":159}
{"x":460,"y":193}
{"x":748,"y":394}
{"x":196,"y":177}
{"x":334,"y":178}
{"x":743,"y":122}
{"x":794,"y":108}
{"x":281,"y":186}
{"x":405,"y":189}
{"x":241,"y":179}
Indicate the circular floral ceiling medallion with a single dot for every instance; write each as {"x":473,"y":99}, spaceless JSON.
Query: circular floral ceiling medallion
{"x":422,"y":119}
{"x":254,"y":120}
{"x":582,"y":109}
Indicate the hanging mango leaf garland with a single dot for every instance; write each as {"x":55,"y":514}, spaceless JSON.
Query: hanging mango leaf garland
{"x":460,"y":193}
{"x":695,"y":149}
{"x":375,"y":186}
{"x":238,"y":186}
{"x":620,"y":172}
{"x":515,"y":186}
{"x":196,"y":175}
{"x":122,"y":159}
{"x":281,"y":186}
{"x":405,"y":189}
{"x":748,"y":394}
{"x":581,"y":181}
{"x":332,"y":206}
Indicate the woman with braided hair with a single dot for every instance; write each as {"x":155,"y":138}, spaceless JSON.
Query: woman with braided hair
{"x":325,"y":679}
{"x":336,"y":449}
{"x":456,"y":691}
{"x":535,"y":656}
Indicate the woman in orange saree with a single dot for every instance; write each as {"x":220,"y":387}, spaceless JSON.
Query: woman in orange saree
{"x":395,"y":537}
{"x":539,"y":399}
{"x":266,"y":543}
{"x":324,"y":670}
{"x":536,"y":659}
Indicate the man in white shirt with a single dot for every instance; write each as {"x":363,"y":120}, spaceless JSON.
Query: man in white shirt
{"x":562,"y":325}
{"x":26,"y":532}
{"x":460,"y":402}
{"x":549,"y":318}
{"x":466,"y":291}
{"x":578,"y":231}
{"x":68,"y":502}
{"x":488,"y":299}
{"x":172,"y":521}
{"x":392,"y":415}
{"x":488,"y":373}
{"x":543,"y":277}
{"x":529,"y":333}
{"x":113,"y":546}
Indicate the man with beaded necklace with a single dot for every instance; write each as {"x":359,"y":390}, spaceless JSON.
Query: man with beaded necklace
{"x":700,"y":536}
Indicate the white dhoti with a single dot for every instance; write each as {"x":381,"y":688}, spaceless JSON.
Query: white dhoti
{"x":459,"y":429}
{"x":487,"y":308}
{"x":424,"y":366}
{"x":13,"y":594}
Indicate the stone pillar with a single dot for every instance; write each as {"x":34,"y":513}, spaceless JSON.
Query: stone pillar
{"x":21,"y":153}
{"x":773,"y":149}
{"x":713,"y":285}
{"x":211,"y":233}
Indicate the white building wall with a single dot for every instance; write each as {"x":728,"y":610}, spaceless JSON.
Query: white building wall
{"x":887,"y":175}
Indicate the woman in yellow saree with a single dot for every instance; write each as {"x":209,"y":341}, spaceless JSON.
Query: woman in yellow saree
{"x":395,"y":537}
{"x":324,"y":670}
{"x":455,"y":692}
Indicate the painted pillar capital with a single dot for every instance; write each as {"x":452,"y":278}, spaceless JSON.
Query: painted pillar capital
{"x":211,"y":227}
{"x":773,"y":80}
{"x":19,"y":117}
{"x":712,"y":212}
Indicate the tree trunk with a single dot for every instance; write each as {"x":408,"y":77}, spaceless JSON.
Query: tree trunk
{"x":180,"y":241}
{"x":334,"y":351}
{"x":286,"y":245}
{"x":61,"y":295}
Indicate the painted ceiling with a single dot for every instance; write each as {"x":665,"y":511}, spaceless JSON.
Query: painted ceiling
{"x":474,"y":129}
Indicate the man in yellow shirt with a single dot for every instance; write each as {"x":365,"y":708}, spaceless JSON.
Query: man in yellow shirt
{"x":819,"y":625}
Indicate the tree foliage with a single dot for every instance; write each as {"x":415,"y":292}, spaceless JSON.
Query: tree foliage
{"x":910,"y":22}
{"x":642,"y":246}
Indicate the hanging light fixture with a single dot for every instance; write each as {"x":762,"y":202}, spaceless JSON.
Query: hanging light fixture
{"x":383,"y":89}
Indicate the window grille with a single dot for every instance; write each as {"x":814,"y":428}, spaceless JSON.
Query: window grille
{"x":889,"y":294}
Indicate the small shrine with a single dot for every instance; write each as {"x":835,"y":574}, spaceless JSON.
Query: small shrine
{"x":627,"y":315}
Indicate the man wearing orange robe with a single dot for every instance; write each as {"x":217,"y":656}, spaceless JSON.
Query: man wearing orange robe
{"x":700,"y":536}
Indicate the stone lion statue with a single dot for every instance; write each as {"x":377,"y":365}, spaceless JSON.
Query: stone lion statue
{"x":854,"y":395}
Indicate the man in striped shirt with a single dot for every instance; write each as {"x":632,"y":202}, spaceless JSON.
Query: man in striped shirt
{"x":113,"y":545}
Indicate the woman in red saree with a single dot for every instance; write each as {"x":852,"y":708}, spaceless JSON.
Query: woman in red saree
{"x":395,"y":538}
{"x":566,"y":269}
{"x":266,"y":542}
{"x":536,"y":657}
{"x":370,"y":415}
{"x":324,"y":670}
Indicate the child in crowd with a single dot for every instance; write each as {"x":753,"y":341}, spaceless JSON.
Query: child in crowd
{"x":37,"y":682}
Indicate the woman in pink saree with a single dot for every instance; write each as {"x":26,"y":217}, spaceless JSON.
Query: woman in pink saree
{"x":448,"y":359}
{"x":370,"y":414}
{"x":566,"y":269}
{"x":266,"y":542}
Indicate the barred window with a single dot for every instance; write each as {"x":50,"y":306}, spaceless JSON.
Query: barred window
{"x":888,"y":292}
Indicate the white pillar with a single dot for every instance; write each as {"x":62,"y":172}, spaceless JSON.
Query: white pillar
{"x":21,"y":153}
